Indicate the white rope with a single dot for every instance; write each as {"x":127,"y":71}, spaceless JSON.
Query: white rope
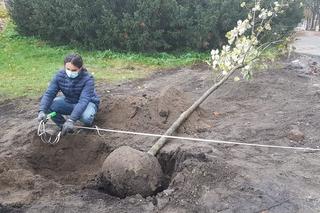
{"x":197,"y":139}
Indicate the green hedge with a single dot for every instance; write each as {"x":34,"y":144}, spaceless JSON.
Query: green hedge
{"x":135,"y":25}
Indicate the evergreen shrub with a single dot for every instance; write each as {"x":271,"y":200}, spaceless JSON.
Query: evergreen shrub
{"x":130,"y":25}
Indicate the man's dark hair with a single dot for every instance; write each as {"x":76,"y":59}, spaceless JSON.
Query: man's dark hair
{"x":75,"y":59}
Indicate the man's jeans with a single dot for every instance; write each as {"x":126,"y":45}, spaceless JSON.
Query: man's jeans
{"x":61,"y":107}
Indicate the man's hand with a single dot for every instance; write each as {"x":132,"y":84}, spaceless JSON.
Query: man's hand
{"x":67,"y":127}
{"x":41,"y":116}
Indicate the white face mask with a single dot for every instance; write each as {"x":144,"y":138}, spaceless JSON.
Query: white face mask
{"x":71,"y":74}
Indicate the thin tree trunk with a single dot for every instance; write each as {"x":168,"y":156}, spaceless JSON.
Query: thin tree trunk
{"x":318,"y":24}
{"x":161,"y":142}
{"x":312,"y":22}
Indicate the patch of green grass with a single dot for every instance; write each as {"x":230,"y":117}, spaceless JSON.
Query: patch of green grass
{"x":272,"y":53}
{"x":27,"y":64}
{"x":271,"y":58}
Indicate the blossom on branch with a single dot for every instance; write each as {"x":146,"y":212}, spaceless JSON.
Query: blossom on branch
{"x":243,"y":40}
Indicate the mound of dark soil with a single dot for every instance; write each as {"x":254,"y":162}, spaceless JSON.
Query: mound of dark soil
{"x":75,"y":160}
{"x":153,"y":114}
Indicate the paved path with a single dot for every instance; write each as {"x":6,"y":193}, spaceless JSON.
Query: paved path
{"x":307,"y":42}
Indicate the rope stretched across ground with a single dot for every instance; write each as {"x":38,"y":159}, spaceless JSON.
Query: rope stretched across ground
{"x":198,"y":139}
{"x":41,"y":129}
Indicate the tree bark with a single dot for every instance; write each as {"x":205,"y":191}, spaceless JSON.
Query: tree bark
{"x":162,"y":141}
{"x":312,"y":22}
{"x":318,"y":21}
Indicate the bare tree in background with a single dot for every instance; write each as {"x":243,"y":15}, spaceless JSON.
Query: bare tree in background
{"x":312,"y":14}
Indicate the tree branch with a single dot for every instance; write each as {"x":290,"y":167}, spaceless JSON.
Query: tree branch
{"x":161,"y":142}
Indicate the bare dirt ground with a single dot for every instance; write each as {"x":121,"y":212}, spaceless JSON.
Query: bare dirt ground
{"x":35,"y":177}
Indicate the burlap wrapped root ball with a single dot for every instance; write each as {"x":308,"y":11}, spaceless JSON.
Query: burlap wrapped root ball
{"x":128,"y":171}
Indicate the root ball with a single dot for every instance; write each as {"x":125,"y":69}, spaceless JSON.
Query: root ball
{"x":128,"y":172}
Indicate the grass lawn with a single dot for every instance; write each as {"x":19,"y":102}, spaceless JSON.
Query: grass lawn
{"x":27,"y":64}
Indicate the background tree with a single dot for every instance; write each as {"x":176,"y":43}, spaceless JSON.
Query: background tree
{"x":312,"y":14}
